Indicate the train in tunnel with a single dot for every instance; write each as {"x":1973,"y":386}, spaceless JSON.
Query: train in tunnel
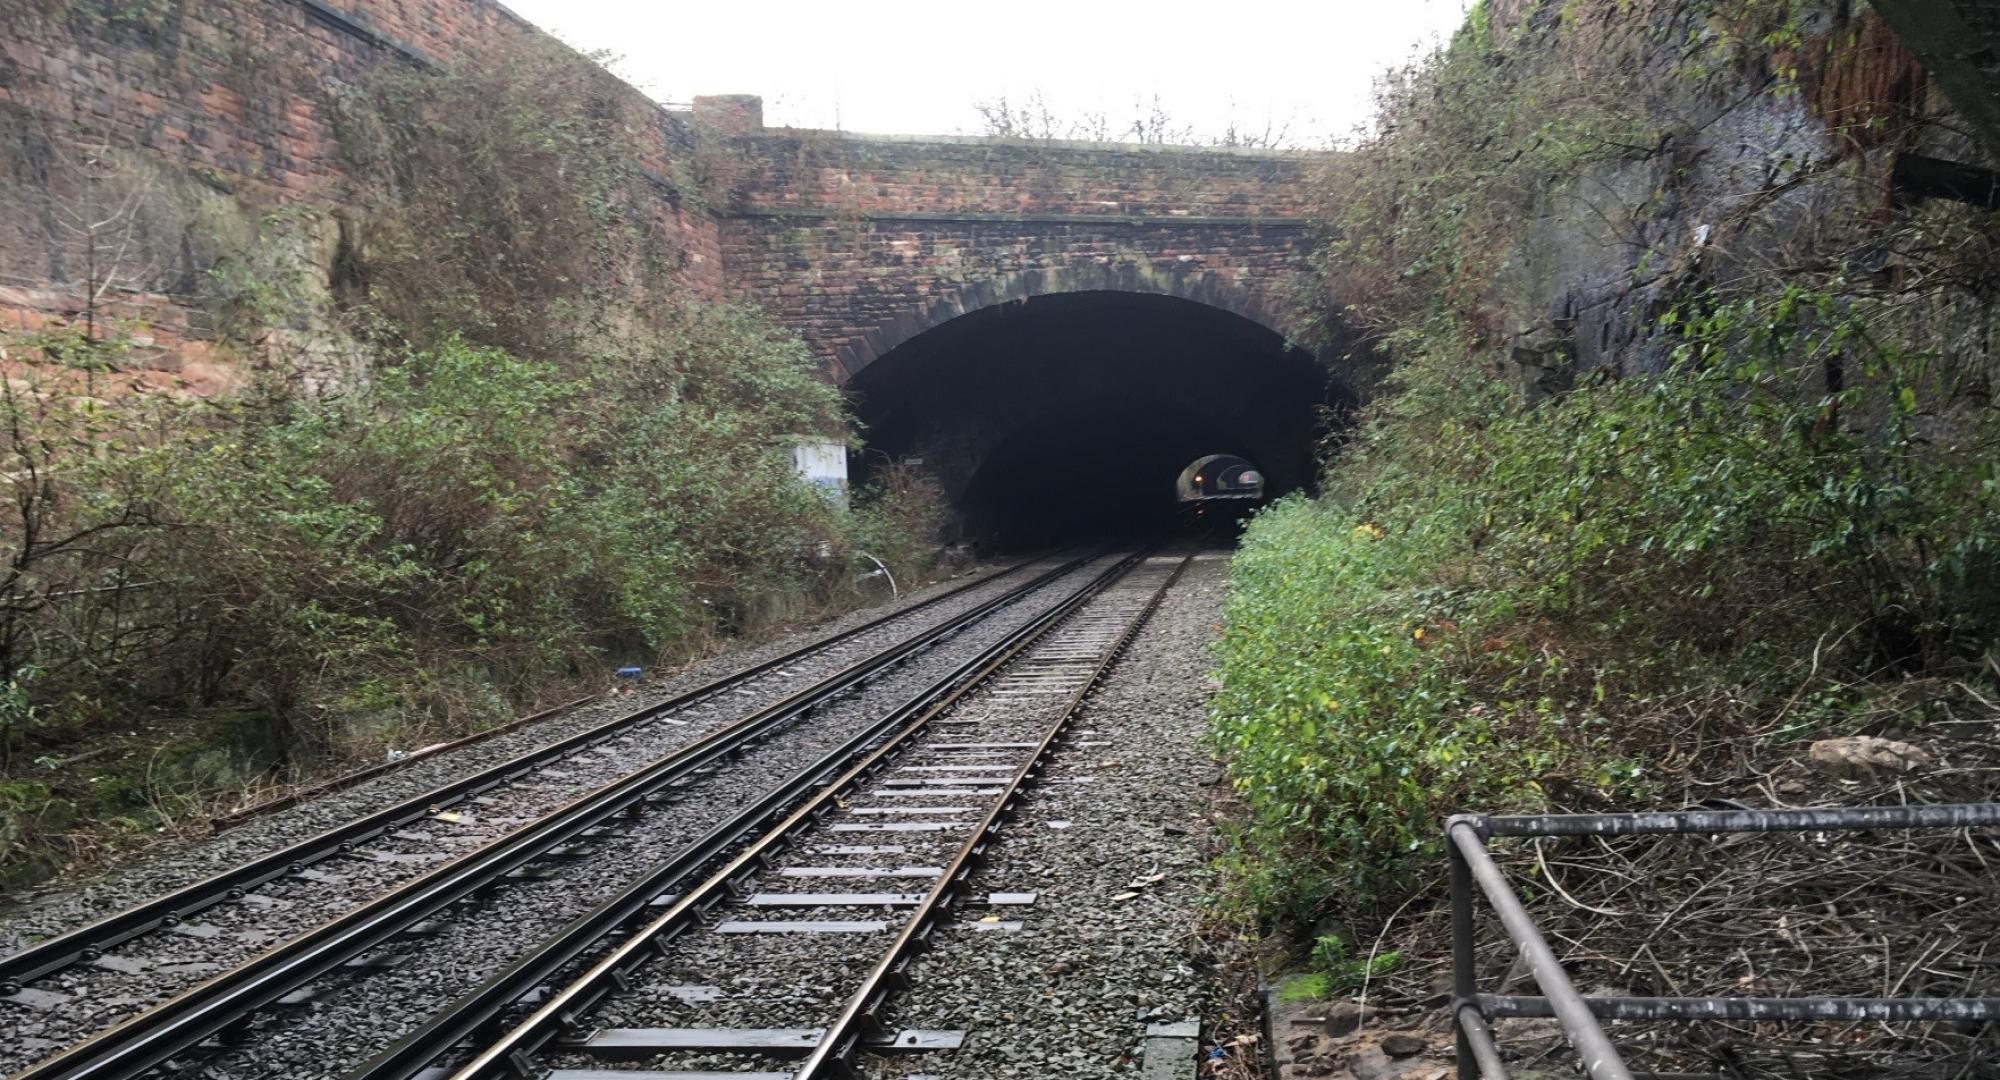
{"x":1074,"y":417}
{"x":1219,"y":489}
{"x":1219,"y":478}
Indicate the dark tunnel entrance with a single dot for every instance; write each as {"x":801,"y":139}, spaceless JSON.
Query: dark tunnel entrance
{"x":1070,"y":417}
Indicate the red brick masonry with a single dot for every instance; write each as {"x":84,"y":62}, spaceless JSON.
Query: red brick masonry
{"x":857,"y":241}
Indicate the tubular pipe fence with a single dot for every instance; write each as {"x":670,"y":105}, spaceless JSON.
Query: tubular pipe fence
{"x":1473,"y":866}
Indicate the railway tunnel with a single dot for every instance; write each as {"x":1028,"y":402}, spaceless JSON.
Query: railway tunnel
{"x":1070,"y":416}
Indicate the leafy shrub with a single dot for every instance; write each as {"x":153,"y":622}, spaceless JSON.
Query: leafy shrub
{"x":1345,"y":731}
{"x":1334,"y":971}
{"x":899,"y":518}
{"x":1488,"y":592}
{"x":467,"y":533}
{"x":1773,"y":494}
{"x":1345,"y":972}
{"x":508,"y":448}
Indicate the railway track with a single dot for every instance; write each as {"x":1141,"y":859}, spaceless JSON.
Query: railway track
{"x":914,"y":814}
{"x":87,"y":942}
{"x":79,"y":964}
{"x":225,"y":1004}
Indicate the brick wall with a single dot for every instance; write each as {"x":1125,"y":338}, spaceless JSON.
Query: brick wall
{"x":244,"y":88}
{"x":856,"y":241}
{"x":863,"y":241}
{"x":829,"y":171}
{"x":241,"y":96}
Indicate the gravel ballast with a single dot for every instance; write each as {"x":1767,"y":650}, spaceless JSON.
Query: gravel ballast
{"x":172,"y":959}
{"x":1110,"y":843}
{"x":1113,"y":844}
{"x":347,"y":1023}
{"x":938,"y":785}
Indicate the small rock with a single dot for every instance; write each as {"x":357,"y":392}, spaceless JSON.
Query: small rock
{"x":1372,"y":1064}
{"x":1173,"y":830}
{"x":1402,"y":1046}
{"x":1302,"y":1044}
{"x":1346,"y":1017}
{"x":1860,"y":756}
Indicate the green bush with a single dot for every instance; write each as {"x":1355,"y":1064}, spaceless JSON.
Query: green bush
{"x":899,"y":518}
{"x":505,"y":448}
{"x":465,"y":533}
{"x":1772,"y":501}
{"x":1490,"y":597}
{"x":1346,"y":732}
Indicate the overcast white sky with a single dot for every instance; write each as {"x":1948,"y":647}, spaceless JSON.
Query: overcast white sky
{"x":919,"y":68}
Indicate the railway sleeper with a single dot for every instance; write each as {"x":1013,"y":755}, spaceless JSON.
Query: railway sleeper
{"x":638,"y":1044}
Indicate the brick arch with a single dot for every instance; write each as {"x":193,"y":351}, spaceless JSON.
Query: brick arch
{"x":1207,"y":288}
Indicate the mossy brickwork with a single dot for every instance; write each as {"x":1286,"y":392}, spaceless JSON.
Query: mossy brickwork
{"x":840,"y":236}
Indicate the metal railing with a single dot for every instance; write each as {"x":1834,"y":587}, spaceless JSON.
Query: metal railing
{"x":1473,"y":865}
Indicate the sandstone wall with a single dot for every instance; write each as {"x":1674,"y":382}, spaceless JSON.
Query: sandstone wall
{"x":1802,"y":159}
{"x":213,"y":113}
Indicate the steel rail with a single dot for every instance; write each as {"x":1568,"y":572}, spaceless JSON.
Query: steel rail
{"x":478,"y":1008}
{"x":561,"y":1010}
{"x":859,"y":1019}
{"x":221,"y":823}
{"x":88,"y":941}
{"x":154,"y":1036}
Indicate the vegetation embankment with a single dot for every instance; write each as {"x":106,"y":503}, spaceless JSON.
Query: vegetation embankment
{"x":1764,"y":514}
{"x":505,"y":451}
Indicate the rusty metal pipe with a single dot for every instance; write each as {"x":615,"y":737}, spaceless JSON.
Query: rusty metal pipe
{"x":1834,"y":1010}
{"x":1600,"y":1059}
{"x":1477,"y":1038}
{"x":1843,"y":818}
